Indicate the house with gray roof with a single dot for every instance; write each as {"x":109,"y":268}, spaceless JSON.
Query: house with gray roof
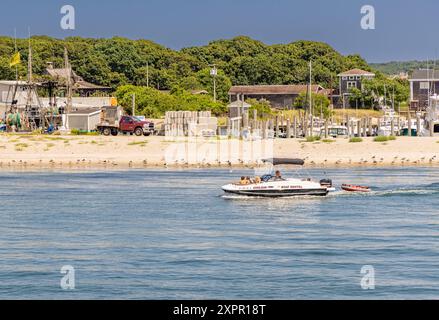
{"x":423,"y":82}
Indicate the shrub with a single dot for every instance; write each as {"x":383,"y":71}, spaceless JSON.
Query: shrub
{"x":356,"y":140}
{"x":77,"y":132}
{"x":384,"y":139}
{"x":313,"y":139}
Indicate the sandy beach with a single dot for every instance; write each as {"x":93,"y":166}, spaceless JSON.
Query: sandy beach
{"x":39,"y":152}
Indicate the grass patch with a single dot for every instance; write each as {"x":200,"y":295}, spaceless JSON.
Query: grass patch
{"x":138,"y":143}
{"x":50,"y":145}
{"x":328,"y":141}
{"x":22,"y":145}
{"x":356,"y":140}
{"x":77,"y":132}
{"x":384,"y":139}
{"x":55,"y":138}
{"x":312,"y":139}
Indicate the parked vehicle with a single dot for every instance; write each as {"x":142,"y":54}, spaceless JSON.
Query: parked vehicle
{"x":113,"y":123}
{"x":335,"y":132}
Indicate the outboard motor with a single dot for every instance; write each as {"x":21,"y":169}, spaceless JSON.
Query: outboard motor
{"x":327,"y":183}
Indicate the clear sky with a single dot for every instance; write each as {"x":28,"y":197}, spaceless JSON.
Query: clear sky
{"x":405,"y":29}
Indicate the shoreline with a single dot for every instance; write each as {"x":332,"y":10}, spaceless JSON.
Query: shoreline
{"x":39,"y":153}
{"x":78,"y":169}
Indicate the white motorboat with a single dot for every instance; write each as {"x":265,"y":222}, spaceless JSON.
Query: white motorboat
{"x":274,"y":185}
{"x":432,"y":115}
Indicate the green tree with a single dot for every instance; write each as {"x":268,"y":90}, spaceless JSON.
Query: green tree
{"x":320,"y":104}
{"x":262,"y":106}
{"x":223,"y":83}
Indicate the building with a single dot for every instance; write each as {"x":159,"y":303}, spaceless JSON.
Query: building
{"x":84,"y":119}
{"x":79,"y":85}
{"x":423,"y":83}
{"x":348,"y":80}
{"x":279,"y":96}
{"x":238,"y":108}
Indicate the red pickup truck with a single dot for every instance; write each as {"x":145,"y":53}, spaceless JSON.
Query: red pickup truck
{"x":127,"y":124}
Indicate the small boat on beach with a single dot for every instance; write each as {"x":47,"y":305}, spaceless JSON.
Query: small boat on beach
{"x":352,"y":188}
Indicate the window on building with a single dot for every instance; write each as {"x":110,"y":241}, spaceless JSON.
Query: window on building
{"x":351,"y":78}
{"x":424,"y":86}
{"x":352,"y":84}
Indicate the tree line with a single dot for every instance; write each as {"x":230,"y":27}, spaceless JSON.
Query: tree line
{"x":124,"y":64}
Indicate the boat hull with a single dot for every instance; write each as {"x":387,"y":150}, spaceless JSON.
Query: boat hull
{"x":280,"y":193}
{"x":355,"y":189}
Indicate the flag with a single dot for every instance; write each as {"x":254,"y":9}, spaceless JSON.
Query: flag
{"x":16,"y":59}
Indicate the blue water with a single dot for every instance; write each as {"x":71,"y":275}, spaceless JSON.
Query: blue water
{"x":173,"y":235}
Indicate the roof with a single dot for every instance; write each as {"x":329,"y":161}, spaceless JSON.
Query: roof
{"x":274,"y":89}
{"x":356,"y":72}
{"x":197,"y":92}
{"x":78,"y":82}
{"x":85,"y":111}
{"x":425,"y":74}
{"x":13,"y":82}
{"x":239,"y":104}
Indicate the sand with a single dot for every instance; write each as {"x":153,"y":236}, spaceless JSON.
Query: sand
{"x":71,"y":152}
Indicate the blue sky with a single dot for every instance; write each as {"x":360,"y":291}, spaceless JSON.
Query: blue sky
{"x":405,"y":30}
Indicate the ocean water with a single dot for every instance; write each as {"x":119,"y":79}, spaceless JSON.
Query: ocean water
{"x":174,"y":235}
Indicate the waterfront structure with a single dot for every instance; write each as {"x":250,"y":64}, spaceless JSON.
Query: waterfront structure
{"x":79,"y":85}
{"x":279,"y":96}
{"x":423,"y":84}
{"x":347,"y":81}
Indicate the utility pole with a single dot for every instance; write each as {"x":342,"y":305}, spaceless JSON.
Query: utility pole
{"x":310,"y":89}
{"x":214,"y":73}
{"x":134,"y":104}
{"x":69,"y":81}
{"x":147,"y":74}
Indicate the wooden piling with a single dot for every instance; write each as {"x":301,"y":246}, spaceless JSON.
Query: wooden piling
{"x":364,"y":123}
{"x":418,"y":126}
{"x":348,"y":125}
{"x":326,"y":129}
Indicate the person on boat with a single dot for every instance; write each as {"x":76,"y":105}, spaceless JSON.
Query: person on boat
{"x":257,"y":180}
{"x":243,"y":181}
{"x":278,"y":176}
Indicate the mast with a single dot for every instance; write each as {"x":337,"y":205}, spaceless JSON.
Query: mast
{"x":69,"y":82}
{"x":310,"y":87}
